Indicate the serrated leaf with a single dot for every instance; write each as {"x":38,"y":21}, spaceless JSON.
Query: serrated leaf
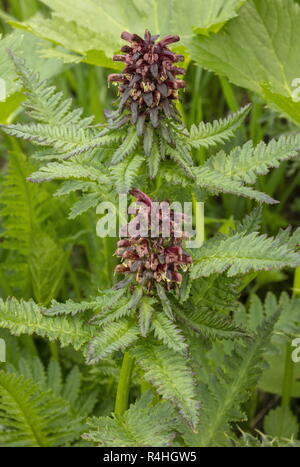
{"x":127,"y":147}
{"x":281,"y":423}
{"x":247,"y":162}
{"x":266,"y":60}
{"x":22,"y":317}
{"x":240,"y":254}
{"x":166,"y":331}
{"x":125,"y":173}
{"x":217,"y":132}
{"x":225,"y":394}
{"x":114,"y":336}
{"x":169,"y":372}
{"x":93,"y":32}
{"x":146,"y":310}
{"x":143,"y":424}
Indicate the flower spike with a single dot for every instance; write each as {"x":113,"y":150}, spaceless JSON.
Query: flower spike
{"x":148,"y":85}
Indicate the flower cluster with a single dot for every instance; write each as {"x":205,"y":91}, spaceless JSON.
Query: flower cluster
{"x":148,"y":85}
{"x":153,"y":258}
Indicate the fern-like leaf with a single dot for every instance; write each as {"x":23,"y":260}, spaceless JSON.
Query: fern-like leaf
{"x":125,"y":173}
{"x":247,"y":162}
{"x":30,"y":416}
{"x":68,"y":170}
{"x":43,"y":103}
{"x":217,"y":132}
{"x":127,"y":147}
{"x":170,"y":373}
{"x":166,"y":331}
{"x":241,"y":253}
{"x":114,"y":336}
{"x":143,"y":424}
{"x":210,"y":324}
{"x":227,"y":391}
{"x":26,"y":317}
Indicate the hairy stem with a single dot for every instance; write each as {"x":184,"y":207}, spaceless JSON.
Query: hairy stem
{"x":121,"y":404}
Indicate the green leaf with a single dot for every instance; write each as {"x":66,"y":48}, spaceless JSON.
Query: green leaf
{"x":286,"y":328}
{"x":228,"y":390}
{"x":251,"y":222}
{"x":179,"y":158}
{"x":47,"y":265}
{"x":54,"y":376}
{"x":217,"y":293}
{"x":23,"y":213}
{"x":125,"y":173}
{"x":170,"y":373}
{"x":22,"y":317}
{"x":146,"y":310}
{"x":62,"y":138}
{"x":164,"y":301}
{"x":93,"y":31}
{"x":148,"y":139}
{"x":154,"y":160}
{"x":166,"y":331}
{"x":34,"y":417}
{"x":22,"y":43}
{"x":210,"y":324}
{"x":217,"y":182}
{"x":43,"y":103}
{"x":241,"y":253}
{"x":217,"y":132}
{"x":87,"y":202}
{"x":114,"y":336}
{"x":247,"y":162}
{"x":265,"y":60}
{"x":127,"y":147}
{"x":72,"y":385}
{"x":68,"y":170}
{"x":281,"y":423}
{"x":143,"y":424}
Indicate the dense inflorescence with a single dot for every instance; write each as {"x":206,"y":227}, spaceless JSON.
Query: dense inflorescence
{"x":150,"y":256}
{"x":148,"y":85}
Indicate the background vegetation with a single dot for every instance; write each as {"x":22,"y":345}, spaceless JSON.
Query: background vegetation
{"x":236,"y":52}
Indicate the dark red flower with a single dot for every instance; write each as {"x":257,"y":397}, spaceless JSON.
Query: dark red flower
{"x":153,"y":258}
{"x":148,"y":85}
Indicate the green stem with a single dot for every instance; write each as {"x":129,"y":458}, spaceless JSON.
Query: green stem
{"x":231,"y":100}
{"x":121,"y":404}
{"x":54,"y":351}
{"x":229,"y":94}
{"x":287,"y":385}
{"x":288,"y":377}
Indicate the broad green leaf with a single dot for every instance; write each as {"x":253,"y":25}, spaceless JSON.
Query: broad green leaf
{"x":281,"y":423}
{"x":91,"y":30}
{"x":257,"y":51}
